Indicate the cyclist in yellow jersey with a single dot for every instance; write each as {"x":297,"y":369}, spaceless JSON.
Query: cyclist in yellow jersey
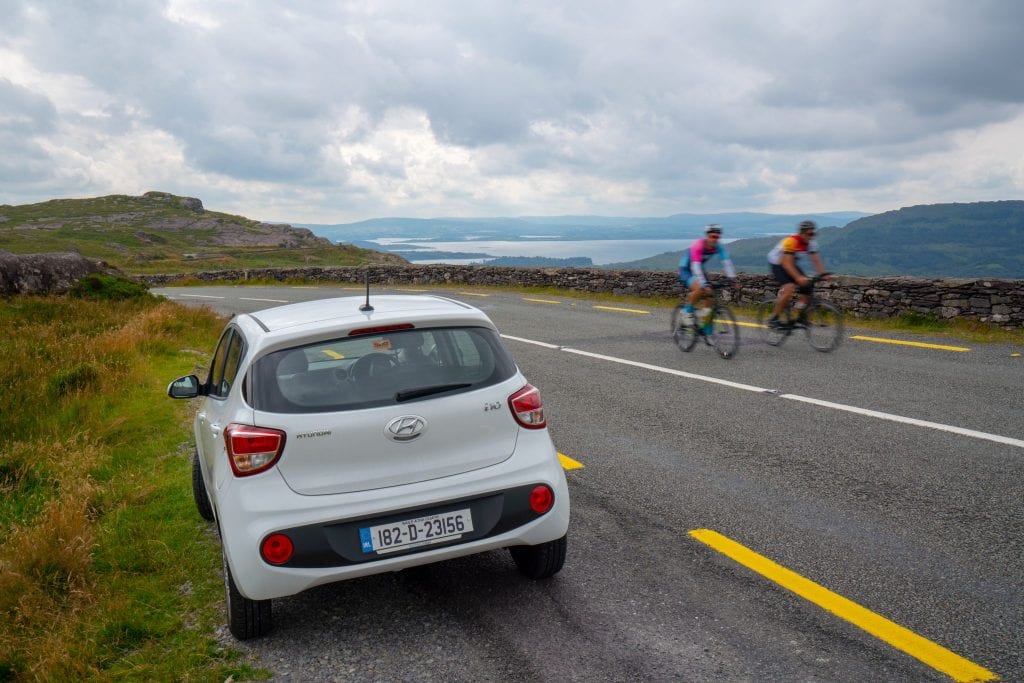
{"x":784,"y":261}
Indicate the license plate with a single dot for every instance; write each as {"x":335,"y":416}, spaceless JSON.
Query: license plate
{"x":410,"y":533}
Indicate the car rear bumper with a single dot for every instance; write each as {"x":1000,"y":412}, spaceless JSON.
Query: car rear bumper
{"x":325,"y":529}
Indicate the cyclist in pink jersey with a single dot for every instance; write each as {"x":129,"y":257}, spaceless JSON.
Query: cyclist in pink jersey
{"x":691,"y":267}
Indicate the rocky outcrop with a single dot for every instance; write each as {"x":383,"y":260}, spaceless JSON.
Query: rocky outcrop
{"x":999,"y":302}
{"x":44,"y":273}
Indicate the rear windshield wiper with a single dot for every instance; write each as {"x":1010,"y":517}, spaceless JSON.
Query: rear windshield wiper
{"x":410,"y":394}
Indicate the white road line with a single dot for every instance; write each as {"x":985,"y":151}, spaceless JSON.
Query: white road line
{"x":196,"y":296}
{"x":668,"y":371}
{"x":531,"y":341}
{"x":275,"y":301}
{"x":972,"y":433}
{"x":909,"y":420}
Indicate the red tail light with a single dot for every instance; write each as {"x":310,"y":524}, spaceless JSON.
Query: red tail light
{"x":277,"y":549}
{"x":252,"y":449}
{"x":541,"y":499}
{"x":528,"y":408}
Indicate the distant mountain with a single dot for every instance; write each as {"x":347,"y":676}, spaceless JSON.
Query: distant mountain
{"x":737,"y":224}
{"x":982,"y":239}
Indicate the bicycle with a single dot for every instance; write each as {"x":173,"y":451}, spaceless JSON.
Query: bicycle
{"x":820,"y":319}
{"x":718,"y":329}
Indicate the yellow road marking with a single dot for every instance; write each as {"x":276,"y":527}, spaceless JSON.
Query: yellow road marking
{"x":406,"y":289}
{"x":1014,"y":355}
{"x":568,"y":463}
{"x":624,"y":310}
{"x":472,"y":294}
{"x":935,"y":656}
{"x":542,"y":301}
{"x":332,"y":353}
{"x":910,"y":343}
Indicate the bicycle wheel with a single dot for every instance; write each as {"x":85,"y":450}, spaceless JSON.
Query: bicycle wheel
{"x":725,"y":333}
{"x":685,"y":336}
{"x":824,"y":326}
{"x":770,"y":336}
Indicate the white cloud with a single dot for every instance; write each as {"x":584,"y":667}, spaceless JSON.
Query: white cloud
{"x":324,"y":112}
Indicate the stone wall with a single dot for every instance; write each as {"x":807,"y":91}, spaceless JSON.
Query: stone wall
{"x":994,"y":301}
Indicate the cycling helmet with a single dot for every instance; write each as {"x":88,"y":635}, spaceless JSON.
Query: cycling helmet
{"x":807,"y":225}
{"x":713,"y":229}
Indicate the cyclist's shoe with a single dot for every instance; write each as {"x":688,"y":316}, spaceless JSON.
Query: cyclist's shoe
{"x":774,"y":323}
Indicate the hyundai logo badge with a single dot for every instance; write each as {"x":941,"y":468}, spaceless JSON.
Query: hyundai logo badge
{"x":405,"y":428}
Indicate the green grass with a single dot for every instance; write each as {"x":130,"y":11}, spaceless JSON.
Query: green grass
{"x":106,"y":570}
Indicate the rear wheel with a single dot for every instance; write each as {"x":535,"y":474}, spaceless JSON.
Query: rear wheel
{"x":725,"y":333}
{"x":824,"y":326}
{"x":199,"y":489}
{"x":246,"y":618}
{"x":540,"y":561}
{"x":769,"y":335}
{"x":685,"y":336}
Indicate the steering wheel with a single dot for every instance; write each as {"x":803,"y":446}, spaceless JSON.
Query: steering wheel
{"x":371,"y":365}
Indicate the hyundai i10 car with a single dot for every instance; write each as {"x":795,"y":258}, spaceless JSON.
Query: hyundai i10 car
{"x":337,"y":439}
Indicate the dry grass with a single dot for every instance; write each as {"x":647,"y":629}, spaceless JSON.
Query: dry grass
{"x":96,"y":533}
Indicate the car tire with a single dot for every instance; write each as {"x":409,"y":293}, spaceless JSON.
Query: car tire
{"x":540,"y":561}
{"x":199,"y":490}
{"x":246,"y":618}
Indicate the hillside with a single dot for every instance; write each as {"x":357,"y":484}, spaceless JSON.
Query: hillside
{"x":164,"y":233}
{"x":981,"y":239}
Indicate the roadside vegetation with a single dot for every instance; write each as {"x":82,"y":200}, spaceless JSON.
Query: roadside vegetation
{"x":106,"y":571}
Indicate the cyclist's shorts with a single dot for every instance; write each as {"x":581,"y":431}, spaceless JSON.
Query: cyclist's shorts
{"x":781,"y":276}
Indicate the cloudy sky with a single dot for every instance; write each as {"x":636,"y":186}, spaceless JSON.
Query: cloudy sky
{"x":328,"y":111}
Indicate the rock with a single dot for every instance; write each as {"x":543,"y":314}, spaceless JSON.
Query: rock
{"x":53,"y":273}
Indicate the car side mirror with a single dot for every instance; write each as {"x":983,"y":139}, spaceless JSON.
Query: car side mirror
{"x":184,"y":387}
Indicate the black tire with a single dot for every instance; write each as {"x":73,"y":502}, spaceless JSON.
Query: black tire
{"x":540,"y":561}
{"x":246,"y":618}
{"x":725,"y":333}
{"x":685,"y":336}
{"x":824,"y":326}
{"x":772,"y":337}
{"x":199,"y":490}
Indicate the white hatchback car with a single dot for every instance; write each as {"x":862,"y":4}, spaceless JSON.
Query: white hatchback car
{"x":335,"y":440}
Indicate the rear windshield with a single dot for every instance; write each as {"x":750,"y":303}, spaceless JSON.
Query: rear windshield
{"x":379,"y":369}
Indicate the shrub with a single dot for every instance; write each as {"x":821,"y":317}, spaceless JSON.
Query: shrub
{"x":109,"y":287}
{"x":78,"y":378}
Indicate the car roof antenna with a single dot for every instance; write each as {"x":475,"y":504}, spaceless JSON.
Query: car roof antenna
{"x":366,"y":308}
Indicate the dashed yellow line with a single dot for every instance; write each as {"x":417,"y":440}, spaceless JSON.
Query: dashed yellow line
{"x":922,"y":345}
{"x":473,"y":294}
{"x":332,"y":353}
{"x":621,"y":310}
{"x":905,"y":640}
{"x":568,"y":463}
{"x":407,"y":289}
{"x":542,"y":301}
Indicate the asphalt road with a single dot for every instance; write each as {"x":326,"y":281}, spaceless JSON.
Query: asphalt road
{"x":879,"y":529}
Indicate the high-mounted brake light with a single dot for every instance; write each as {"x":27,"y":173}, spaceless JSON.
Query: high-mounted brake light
{"x":252,"y":449}
{"x":382,"y":328}
{"x":528,"y":408}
